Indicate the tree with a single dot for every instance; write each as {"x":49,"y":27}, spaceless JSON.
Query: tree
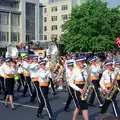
{"x":91,"y":27}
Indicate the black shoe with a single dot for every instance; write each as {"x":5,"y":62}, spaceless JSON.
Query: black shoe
{"x":40,"y":116}
{"x":23,"y":95}
{"x":54,"y":93}
{"x":101,"y":105}
{"x":65,"y":109}
{"x":52,"y":119}
{"x":90,"y":104}
{"x":13,"y":108}
{"x":32,"y":101}
{"x":6,"y":105}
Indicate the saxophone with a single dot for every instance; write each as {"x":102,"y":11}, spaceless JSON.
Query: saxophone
{"x":113,"y":90}
{"x":87,"y":87}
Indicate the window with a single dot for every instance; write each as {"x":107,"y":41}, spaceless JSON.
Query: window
{"x":64,"y":17}
{"x":45,"y":19}
{"x":53,"y":9}
{"x":45,"y":28}
{"x":54,"y":18}
{"x":54,"y":36}
{"x":14,"y":36}
{"x":15,"y":20}
{"x":4,"y":18}
{"x":30,"y":10}
{"x":64,"y":7}
{"x":54,"y":27}
{"x":3,"y":36}
{"x":45,"y":10}
{"x":45,"y":37}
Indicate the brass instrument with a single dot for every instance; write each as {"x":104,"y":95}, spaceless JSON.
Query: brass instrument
{"x":113,"y":90}
{"x":11,"y":52}
{"x":84,"y":96}
{"x":87,"y":87}
{"x":109,"y":96}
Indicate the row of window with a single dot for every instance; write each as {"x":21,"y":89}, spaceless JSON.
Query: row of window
{"x":54,"y":18}
{"x":5,"y":35}
{"x":54,"y":9}
{"x":55,"y":36}
{"x":4,"y":19}
{"x":53,"y":27}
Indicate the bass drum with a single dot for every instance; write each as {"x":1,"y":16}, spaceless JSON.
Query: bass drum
{"x":12,"y":52}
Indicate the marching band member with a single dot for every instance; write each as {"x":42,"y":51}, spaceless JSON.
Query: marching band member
{"x":20,"y":72}
{"x":2,"y":86}
{"x":94,"y":77}
{"x":49,"y":65}
{"x":106,"y":83}
{"x":26,"y":66}
{"x":59,"y":72}
{"x":117,"y":71}
{"x":44,"y":88}
{"x":77,"y":82}
{"x":9,"y":71}
{"x":71,"y":95}
{"x":34,"y":67}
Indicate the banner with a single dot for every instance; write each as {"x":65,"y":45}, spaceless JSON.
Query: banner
{"x":40,"y":53}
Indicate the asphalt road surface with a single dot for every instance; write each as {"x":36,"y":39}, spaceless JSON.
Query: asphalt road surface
{"x":27,"y":111}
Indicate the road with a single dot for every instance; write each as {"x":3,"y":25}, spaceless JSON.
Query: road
{"x":27,"y":111}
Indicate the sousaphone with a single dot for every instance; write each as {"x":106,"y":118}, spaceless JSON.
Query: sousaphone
{"x":12,"y":52}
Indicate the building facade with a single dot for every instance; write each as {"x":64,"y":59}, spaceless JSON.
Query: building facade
{"x":20,"y":21}
{"x":56,"y":13}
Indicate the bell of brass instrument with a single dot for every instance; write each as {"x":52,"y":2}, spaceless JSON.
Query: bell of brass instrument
{"x":11,"y":52}
{"x":53,"y":52}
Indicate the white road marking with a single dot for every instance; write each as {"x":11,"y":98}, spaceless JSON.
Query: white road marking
{"x":29,"y":106}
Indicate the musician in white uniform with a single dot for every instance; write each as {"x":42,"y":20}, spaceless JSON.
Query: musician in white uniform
{"x":48,"y":65}
{"x":71,"y":95}
{"x":9,"y":74}
{"x":20,"y":72}
{"x":44,"y":75}
{"x":2,"y":86}
{"x":107,"y":82}
{"x":26,"y":67}
{"x":34,"y":67}
{"x":77,"y":82}
{"x":94,"y":77}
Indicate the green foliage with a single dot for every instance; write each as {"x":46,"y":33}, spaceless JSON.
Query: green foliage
{"x":91,"y":27}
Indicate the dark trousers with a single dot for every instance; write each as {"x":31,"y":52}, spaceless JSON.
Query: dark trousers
{"x":96,"y":93}
{"x":71,"y":96}
{"x":36,"y":91}
{"x":52,"y":85}
{"x":27,"y":86}
{"x":43,"y":95}
{"x":114,"y":105}
{"x":82,"y":104}
{"x":2,"y":85}
{"x":20,"y":82}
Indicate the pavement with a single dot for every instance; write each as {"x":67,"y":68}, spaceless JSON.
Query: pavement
{"x":27,"y":111}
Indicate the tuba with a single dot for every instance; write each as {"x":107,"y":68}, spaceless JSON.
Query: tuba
{"x":12,"y":52}
{"x":53,"y":51}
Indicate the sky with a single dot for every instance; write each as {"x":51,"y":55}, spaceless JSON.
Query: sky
{"x":113,"y":3}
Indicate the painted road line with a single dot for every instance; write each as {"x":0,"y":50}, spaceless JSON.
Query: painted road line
{"x":29,"y":106}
